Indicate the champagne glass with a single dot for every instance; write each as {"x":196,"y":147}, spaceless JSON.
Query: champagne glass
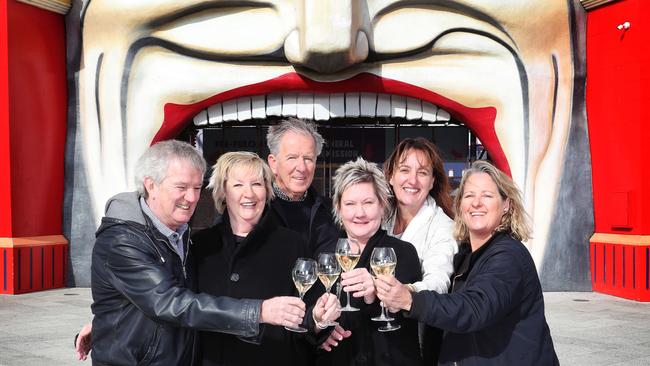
{"x":304,"y":276}
{"x":383,"y":262}
{"x":328,"y":272}
{"x":348,"y":253}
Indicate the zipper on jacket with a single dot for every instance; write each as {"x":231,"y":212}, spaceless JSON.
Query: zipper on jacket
{"x":174,"y":251}
{"x":453,"y":282}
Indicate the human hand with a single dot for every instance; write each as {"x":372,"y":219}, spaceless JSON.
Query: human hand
{"x":360,"y":283}
{"x":395,"y":295}
{"x":283,"y":310}
{"x":83,"y":343}
{"x":327,"y":309}
{"x":337,"y":335}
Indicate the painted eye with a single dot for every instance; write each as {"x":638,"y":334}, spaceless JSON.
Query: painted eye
{"x":227,"y":30}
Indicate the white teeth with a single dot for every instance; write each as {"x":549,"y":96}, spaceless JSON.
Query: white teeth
{"x":411,"y":190}
{"x":413,"y":109}
{"x":337,"y":105}
{"x":244,"y":109}
{"x":368,"y":104}
{"x":274,"y":105}
{"x":289,"y":105}
{"x":306,"y":106}
{"x":259,"y":106}
{"x":248,"y":204}
{"x":383,"y":105}
{"x":201,"y":119}
{"x":215,"y":113}
{"x":230,"y":110}
{"x":352,"y":104}
{"x":429,"y":112}
{"x":398,"y":106}
{"x":321,"y":107}
{"x":184,"y":207}
{"x":476,"y":213}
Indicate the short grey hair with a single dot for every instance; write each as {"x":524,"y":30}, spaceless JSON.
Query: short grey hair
{"x":155,"y":161}
{"x":232,"y":160}
{"x":275,"y":133}
{"x":355,"y":172}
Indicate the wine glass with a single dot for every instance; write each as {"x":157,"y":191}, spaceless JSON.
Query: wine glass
{"x":383,"y":262}
{"x":328,"y":272}
{"x":304,"y":276}
{"x":348,"y":253}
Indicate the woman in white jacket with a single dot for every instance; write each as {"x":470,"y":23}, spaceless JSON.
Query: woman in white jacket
{"x":423,"y":217}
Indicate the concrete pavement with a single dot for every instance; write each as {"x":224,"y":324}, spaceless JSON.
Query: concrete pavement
{"x":587,"y":328}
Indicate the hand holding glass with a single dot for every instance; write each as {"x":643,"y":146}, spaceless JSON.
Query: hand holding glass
{"x":304,"y":276}
{"x":383,"y":262}
{"x":328,"y":272}
{"x":348,"y":253}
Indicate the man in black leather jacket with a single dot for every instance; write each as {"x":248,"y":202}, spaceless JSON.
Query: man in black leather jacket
{"x":145,"y":311}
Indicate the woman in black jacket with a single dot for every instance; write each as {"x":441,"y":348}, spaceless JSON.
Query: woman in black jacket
{"x":494,"y":314}
{"x":249,"y":255}
{"x":361,"y":201}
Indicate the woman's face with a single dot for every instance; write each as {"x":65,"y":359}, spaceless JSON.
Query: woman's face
{"x":412,"y":180}
{"x":245,"y":195}
{"x":481,"y":206}
{"x":360,"y":211}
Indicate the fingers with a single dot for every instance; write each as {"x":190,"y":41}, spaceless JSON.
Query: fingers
{"x":359,"y":282}
{"x":284,"y":310}
{"x":337,"y":335}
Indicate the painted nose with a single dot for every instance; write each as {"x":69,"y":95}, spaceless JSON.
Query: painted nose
{"x":328,"y":37}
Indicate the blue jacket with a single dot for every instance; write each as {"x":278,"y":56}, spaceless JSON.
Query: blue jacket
{"x":495,"y":312}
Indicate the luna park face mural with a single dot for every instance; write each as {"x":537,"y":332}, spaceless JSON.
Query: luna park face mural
{"x":512,"y":71}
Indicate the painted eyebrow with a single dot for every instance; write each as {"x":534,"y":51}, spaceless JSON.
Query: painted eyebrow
{"x":198,"y":7}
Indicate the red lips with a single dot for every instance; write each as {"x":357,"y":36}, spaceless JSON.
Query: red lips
{"x":479,"y":120}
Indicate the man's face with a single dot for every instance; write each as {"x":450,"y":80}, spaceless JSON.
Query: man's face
{"x":503,"y":68}
{"x":174,"y":199}
{"x":295,"y":164}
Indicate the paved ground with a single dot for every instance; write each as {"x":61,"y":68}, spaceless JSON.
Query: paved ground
{"x":588,"y":328}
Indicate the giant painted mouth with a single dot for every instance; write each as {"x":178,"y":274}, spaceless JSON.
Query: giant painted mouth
{"x":364,"y":95}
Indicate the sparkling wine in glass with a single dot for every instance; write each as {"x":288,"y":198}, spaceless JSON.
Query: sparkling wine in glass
{"x":348,"y":253}
{"x":328,"y":272}
{"x":383,"y":262}
{"x":304,"y":276}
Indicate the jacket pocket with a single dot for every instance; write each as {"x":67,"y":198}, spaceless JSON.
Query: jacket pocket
{"x":152,"y":347}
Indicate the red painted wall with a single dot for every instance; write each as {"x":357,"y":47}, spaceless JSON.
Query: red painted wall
{"x":617,"y":95}
{"x":37,"y":120}
{"x":5,"y":177}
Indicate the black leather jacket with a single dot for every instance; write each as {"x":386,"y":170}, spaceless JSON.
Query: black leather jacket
{"x":145,"y":311}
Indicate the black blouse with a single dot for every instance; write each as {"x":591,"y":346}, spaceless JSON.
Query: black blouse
{"x":367,"y":345}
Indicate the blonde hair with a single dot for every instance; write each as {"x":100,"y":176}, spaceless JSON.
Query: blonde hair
{"x":232,"y":160}
{"x":355,"y":172}
{"x":514,"y":221}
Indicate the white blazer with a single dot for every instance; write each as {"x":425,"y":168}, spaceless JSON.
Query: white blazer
{"x":431,"y":233}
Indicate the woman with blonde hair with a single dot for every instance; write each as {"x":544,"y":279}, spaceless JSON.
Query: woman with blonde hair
{"x":494,"y":314}
{"x":361,"y":201}
{"x":249,"y":255}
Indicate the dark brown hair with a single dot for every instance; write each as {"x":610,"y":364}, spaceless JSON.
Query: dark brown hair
{"x":441,"y":188}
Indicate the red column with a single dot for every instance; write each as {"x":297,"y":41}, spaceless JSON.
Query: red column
{"x":33,"y":106}
{"x":617,"y":78}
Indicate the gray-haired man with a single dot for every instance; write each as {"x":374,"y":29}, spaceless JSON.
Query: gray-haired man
{"x":145,"y":311}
